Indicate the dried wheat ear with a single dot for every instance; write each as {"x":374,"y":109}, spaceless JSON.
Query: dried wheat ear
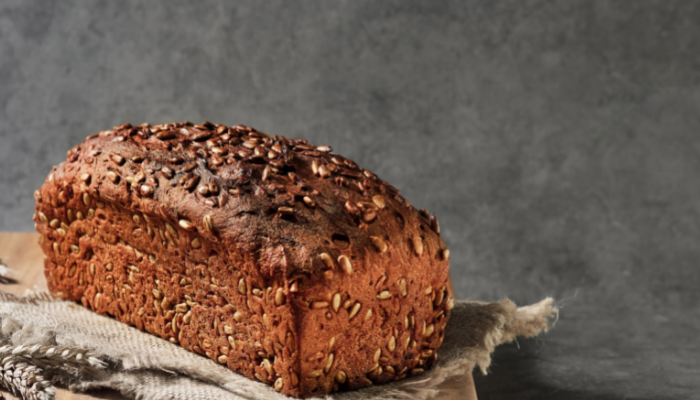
{"x":22,"y":368}
{"x":284,"y":261}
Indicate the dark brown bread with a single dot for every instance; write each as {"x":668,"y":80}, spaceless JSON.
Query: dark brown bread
{"x":284,"y":261}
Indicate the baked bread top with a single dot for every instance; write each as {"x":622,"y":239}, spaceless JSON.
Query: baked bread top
{"x":283,"y":200}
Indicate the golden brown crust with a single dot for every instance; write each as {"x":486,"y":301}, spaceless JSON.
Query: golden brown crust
{"x":282,"y":260}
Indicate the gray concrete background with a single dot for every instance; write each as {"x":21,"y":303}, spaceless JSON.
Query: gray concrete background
{"x":558,"y":143}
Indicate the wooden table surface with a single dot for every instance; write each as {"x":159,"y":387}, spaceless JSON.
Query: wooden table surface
{"x":21,"y":253}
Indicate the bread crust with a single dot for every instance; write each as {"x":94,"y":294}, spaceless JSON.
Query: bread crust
{"x":281,"y":260}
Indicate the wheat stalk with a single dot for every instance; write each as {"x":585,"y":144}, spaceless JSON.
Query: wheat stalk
{"x":24,"y":379}
{"x":22,"y":367}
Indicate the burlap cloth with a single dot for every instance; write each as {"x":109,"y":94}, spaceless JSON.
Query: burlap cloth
{"x":143,"y":366}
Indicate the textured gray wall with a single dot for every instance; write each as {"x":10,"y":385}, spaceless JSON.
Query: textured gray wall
{"x":558,"y":143}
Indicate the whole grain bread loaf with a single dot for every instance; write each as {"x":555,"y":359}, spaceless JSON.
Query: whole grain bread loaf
{"x":281,"y":260}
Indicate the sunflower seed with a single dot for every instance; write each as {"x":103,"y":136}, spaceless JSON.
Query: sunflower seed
{"x":61,"y":231}
{"x":202,"y":135}
{"x":266,"y":173}
{"x":171,"y":229}
{"x":43,"y":218}
{"x":327,"y":260}
{"x":290,"y":342}
{"x":165,"y":135}
{"x":416,"y":371}
{"x":146,"y":190}
{"x":319,"y":304}
{"x":323,"y":171}
{"x":242,"y":286}
{"x":279,"y":384}
{"x":438,"y":298}
{"x":250,"y":144}
{"x":295,"y":378}
{"x":117,"y":159}
{"x":377,"y":354}
{"x":222,"y":359}
{"x":369,"y":215}
{"x":112,"y":176}
{"x":203,"y":190}
{"x":405,"y":343}
{"x":354,"y":310}
{"x":336,"y":302}
{"x":329,"y":363}
{"x":165,"y":304}
{"x":267,"y":322}
{"x":268,"y":366}
{"x":379,"y":244}
{"x":232,"y":342}
{"x":445,"y":254}
{"x":450,"y":304}
{"x":345,"y":264}
{"x":238,"y":316}
{"x":208,"y":224}
{"x":428,"y":330}
{"x":55,"y":223}
{"x":391,"y":346}
{"x":402,"y":287}
{"x":379,"y":201}
{"x":285,"y":210}
{"x":315,"y":373}
{"x":417,"y":244}
{"x":309,"y":201}
{"x":341,"y":377}
{"x":191,"y":183}
{"x":384,"y":295}
{"x":167,"y":173}
{"x":352,"y":208}
{"x":279,"y":297}
{"x":368,"y":314}
{"x":74,"y":249}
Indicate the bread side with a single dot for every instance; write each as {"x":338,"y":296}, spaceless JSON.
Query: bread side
{"x":281,"y":260}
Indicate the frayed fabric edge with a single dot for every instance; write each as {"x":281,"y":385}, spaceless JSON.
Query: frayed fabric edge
{"x":473,"y":333}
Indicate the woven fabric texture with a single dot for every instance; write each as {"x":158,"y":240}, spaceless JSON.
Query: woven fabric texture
{"x":143,"y":366}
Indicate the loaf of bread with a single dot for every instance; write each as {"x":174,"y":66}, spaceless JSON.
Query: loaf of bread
{"x":281,"y":260}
